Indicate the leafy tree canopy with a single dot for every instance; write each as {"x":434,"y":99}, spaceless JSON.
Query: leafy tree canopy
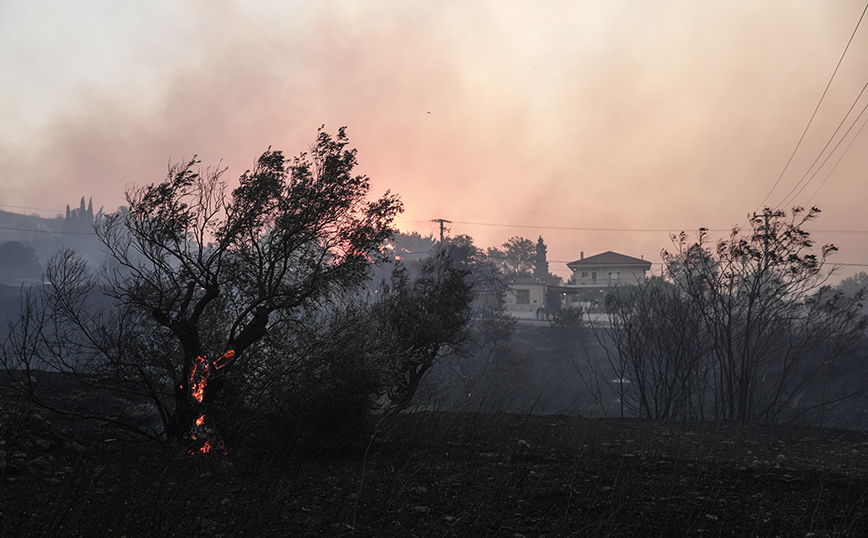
{"x":293,"y":232}
{"x":515,"y":257}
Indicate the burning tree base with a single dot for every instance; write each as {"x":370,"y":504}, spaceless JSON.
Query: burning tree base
{"x":205,"y":439}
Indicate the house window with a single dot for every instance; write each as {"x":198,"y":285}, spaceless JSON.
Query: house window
{"x":522,"y":296}
{"x":593,"y":277}
{"x":584,"y":274}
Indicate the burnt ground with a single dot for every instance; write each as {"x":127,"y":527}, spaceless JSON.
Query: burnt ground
{"x":444,"y":474}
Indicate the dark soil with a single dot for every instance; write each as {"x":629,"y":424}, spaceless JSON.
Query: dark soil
{"x":443,"y":474}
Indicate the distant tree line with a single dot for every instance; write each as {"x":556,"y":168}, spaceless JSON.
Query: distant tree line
{"x":517,"y":257}
{"x":82,"y":219}
{"x":21,"y":259}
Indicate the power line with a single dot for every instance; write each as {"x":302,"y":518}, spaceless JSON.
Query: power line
{"x":820,"y":102}
{"x":631,"y":230}
{"x":838,"y":231}
{"x":579,"y":228}
{"x":840,"y":157}
{"x":42,"y":231}
{"x":502,"y":225}
{"x":32,"y":208}
{"x":790,"y":197}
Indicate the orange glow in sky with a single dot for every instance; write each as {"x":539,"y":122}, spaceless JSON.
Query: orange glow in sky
{"x":598,"y":125}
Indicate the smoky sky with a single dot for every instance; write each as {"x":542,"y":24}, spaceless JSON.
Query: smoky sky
{"x":647,"y":116}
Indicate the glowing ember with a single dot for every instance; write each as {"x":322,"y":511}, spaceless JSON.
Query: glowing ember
{"x":202,"y":371}
{"x":224,"y":359}
{"x":197,"y":388}
{"x":198,"y":381}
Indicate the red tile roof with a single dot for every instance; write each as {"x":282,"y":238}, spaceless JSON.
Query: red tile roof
{"x":609,"y":258}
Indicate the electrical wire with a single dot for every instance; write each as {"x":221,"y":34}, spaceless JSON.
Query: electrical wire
{"x":502,"y":225}
{"x":32,"y":208}
{"x":43,"y":231}
{"x":813,"y":115}
{"x":841,"y":156}
{"x":580,"y":229}
{"x":790,"y":197}
{"x":631,"y":230}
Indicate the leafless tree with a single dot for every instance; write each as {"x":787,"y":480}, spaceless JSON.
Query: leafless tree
{"x":661,"y":350}
{"x":774,"y":326}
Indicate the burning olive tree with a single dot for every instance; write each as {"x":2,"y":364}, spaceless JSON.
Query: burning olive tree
{"x":293,"y":231}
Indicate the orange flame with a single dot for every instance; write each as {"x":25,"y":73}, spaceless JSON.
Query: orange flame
{"x":198,"y":381}
{"x":197,"y":387}
{"x":224,"y":359}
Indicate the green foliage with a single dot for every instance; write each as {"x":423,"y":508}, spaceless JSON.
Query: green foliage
{"x":554,"y":300}
{"x":293,"y":232}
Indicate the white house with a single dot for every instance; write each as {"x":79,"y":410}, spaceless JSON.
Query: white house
{"x":586,"y":289}
{"x":607,"y":269}
{"x":528,"y":295}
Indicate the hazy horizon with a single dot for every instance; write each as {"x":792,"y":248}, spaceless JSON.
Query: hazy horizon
{"x":600,"y":126}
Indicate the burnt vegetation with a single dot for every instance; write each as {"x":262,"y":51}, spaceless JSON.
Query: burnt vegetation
{"x":277,"y":360}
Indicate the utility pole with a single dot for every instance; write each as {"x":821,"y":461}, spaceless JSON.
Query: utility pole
{"x":442,"y":223}
{"x":440,"y":248}
{"x":766,"y":216}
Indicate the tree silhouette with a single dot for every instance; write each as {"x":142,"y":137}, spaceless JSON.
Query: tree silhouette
{"x":215,"y":270}
{"x":540,"y":262}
